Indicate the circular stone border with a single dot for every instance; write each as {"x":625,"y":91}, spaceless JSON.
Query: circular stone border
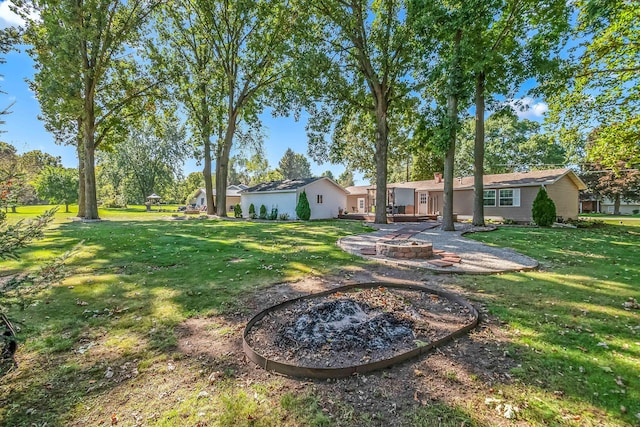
{"x":404,"y":249}
{"x":324,"y":373}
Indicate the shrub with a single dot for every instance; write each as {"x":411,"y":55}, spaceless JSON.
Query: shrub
{"x":237,"y":211}
{"x":252,"y":209}
{"x":636,"y":211}
{"x":117,"y":201}
{"x":544,"y":210}
{"x":303,"y":210}
{"x":263,"y":212}
{"x":274,"y":214}
{"x":284,"y":216}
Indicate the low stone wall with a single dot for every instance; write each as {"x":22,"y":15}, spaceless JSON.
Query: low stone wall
{"x":404,"y":249}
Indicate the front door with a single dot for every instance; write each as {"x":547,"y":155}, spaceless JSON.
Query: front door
{"x":423,"y":199}
{"x":360,"y":204}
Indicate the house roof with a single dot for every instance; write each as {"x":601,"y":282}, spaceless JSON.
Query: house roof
{"x":232,"y":190}
{"x":286,"y":186}
{"x":358,"y":189}
{"x":504,"y":180}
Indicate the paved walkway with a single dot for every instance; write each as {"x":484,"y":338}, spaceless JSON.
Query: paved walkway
{"x":475,"y":257}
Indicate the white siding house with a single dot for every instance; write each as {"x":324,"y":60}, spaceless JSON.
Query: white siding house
{"x":325,"y":197}
{"x":233,"y":196}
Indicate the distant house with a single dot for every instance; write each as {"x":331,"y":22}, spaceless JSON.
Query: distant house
{"x":506,"y":196}
{"x":325,"y":196}
{"x":233,"y":197}
{"x":607,"y":205}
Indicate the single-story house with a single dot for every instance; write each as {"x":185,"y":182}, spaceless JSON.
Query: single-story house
{"x":607,"y":205}
{"x":199,"y":200}
{"x":325,"y":196}
{"x":506,"y":196}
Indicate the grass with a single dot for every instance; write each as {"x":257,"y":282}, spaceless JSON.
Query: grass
{"x":137,"y":277}
{"x":579,"y":347}
{"x":133,"y":280}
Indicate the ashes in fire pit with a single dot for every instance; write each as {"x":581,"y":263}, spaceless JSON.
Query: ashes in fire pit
{"x":355,"y":327}
{"x":344,"y":324}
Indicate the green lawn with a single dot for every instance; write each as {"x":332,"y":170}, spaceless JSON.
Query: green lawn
{"x":577,"y":350}
{"x":133,"y":280}
{"x":579,"y":347}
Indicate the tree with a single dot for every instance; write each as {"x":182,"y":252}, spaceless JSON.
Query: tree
{"x":358,"y":69}
{"x":80,"y":48}
{"x":505,"y":41}
{"x":149,"y":160}
{"x":236,"y":52}
{"x":58,"y":185}
{"x":616,"y":185}
{"x":601,"y":86}
{"x":185,"y":54}
{"x":303,"y":210}
{"x":620,"y":182}
{"x":8,"y":38}
{"x":328,"y":174}
{"x":294,"y":166}
{"x":511,"y":145}
{"x":193,"y":182}
{"x":543,"y":210}
{"x":16,"y":236}
{"x":346,"y":179}
{"x":442,"y":30}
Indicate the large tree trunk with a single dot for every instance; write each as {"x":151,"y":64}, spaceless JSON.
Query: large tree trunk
{"x":616,"y":204}
{"x":478,"y":154}
{"x":206,"y":172}
{"x":447,"y":209}
{"x":452,"y":114}
{"x":222,"y":165}
{"x":91,"y":200}
{"x":382,"y":144}
{"x":206,"y":144}
{"x":81,"y":186}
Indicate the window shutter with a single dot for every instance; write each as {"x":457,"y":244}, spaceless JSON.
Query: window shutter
{"x":516,"y":197}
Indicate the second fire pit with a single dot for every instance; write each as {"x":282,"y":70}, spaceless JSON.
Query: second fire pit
{"x":354,"y":328}
{"x":404,"y":249}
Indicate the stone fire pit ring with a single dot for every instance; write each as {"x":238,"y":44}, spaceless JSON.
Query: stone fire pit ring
{"x":345,"y":371}
{"x":404,"y":249}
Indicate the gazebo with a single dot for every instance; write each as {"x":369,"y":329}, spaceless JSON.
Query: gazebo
{"x":152,"y":200}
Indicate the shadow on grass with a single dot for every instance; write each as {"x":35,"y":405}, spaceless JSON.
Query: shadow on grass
{"x":136,"y":283}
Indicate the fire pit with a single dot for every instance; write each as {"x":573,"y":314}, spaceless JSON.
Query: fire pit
{"x":405,"y":249}
{"x":357,"y":328}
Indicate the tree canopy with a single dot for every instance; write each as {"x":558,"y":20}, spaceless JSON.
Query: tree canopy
{"x":58,"y":185}
{"x":87,"y":79}
{"x":294,"y":166}
{"x":601,"y":86}
{"x":358,"y":66}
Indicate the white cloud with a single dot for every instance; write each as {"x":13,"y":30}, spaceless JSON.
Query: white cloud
{"x":8,"y":18}
{"x":529,"y":108}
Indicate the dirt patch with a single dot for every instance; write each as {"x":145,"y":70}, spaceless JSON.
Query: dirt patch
{"x":461,"y":373}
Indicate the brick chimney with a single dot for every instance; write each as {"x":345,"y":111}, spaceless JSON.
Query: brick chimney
{"x":437,"y":177}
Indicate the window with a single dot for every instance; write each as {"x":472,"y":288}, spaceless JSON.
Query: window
{"x":319,"y":199}
{"x":423,"y":198}
{"x":510,"y":197}
{"x":360,"y":203}
{"x":489,"y":197}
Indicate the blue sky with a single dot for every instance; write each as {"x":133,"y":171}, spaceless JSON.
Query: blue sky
{"x":24,"y":131}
